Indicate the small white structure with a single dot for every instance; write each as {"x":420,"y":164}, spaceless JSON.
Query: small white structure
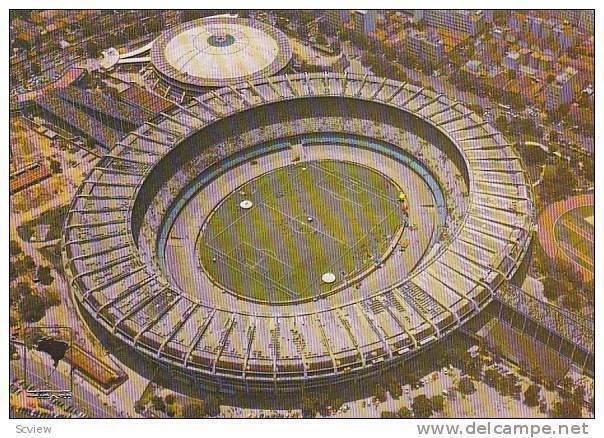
{"x":246,"y":204}
{"x":328,"y":277}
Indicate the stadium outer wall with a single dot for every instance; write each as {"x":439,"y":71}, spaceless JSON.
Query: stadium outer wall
{"x":485,"y":145}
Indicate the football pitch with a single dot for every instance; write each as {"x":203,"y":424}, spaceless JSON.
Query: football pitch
{"x":305,"y":220}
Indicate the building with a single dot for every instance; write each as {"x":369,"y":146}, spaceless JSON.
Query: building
{"x":474,"y":68}
{"x":562,"y":90}
{"x":27,"y":33}
{"x":521,"y":90}
{"x":540,"y":61}
{"x":418,"y":15}
{"x":582,"y":116}
{"x":565,"y":36}
{"x":490,"y":50}
{"x":498,"y":33}
{"x":583,"y":19}
{"x":220,"y":51}
{"x":361,"y":22}
{"x":335,"y":18}
{"x":511,"y":60}
{"x":464,"y":21}
{"x":426,"y":47}
{"x":27,"y":177}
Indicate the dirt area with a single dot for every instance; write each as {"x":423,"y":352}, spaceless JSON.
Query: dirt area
{"x":38,"y":194}
{"x":27,"y":145}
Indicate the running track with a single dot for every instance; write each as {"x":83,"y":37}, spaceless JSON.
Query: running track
{"x":546,"y":225}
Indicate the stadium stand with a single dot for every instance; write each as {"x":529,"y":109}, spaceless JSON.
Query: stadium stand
{"x":67,"y":114}
{"x":104,"y":104}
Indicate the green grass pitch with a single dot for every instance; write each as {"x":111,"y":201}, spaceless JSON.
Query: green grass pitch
{"x":307,"y":219}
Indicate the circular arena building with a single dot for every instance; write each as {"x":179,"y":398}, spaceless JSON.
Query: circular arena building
{"x":297,"y":231}
{"x":219,"y":51}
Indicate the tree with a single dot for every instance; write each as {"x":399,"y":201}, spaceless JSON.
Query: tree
{"x":438,"y":403}
{"x":12,"y":354}
{"x":336,"y":403}
{"x":394,"y":388}
{"x":158,"y":403}
{"x":558,"y":181}
{"x":52,"y":297}
{"x":153,"y":25}
{"x":36,"y":69}
{"x":55,"y":166}
{"x":410,"y":377}
{"x":466,"y":386}
{"x":14,"y":248}
{"x":212,"y":404}
{"x":572,"y":300}
{"x":567,"y":408}
{"x":379,"y":392}
{"x":551,"y":288}
{"x":589,"y":168}
{"x":310,"y":406}
{"x":170,"y":399}
{"x":28,"y":263}
{"x":422,"y":407}
{"x":532,"y":155}
{"x":194,"y":410}
{"x":13,"y":274}
{"x":170,"y":410}
{"x":501,"y":122}
{"x":531,"y":395}
{"x":31,"y":308}
{"x":405,"y":412}
{"x":388,"y":414}
{"x":139,"y":408}
{"x":553,"y":137}
{"x":472,"y":365}
{"x":579,"y":394}
{"x":44,"y":275}
{"x":23,"y":289}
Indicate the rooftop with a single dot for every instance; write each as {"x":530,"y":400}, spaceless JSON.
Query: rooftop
{"x":218,"y":51}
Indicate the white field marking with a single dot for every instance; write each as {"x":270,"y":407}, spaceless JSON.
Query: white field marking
{"x":247,"y":273}
{"x":338,"y":197}
{"x":306,"y":224}
{"x":357,"y":243}
{"x":359,"y":183}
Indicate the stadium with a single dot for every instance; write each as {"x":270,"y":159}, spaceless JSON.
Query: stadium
{"x":298,"y":230}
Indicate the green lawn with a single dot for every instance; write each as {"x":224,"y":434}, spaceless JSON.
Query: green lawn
{"x":307,"y":219}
